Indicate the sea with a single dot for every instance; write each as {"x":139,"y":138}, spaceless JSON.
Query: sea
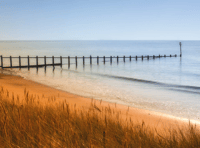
{"x":168,"y":85}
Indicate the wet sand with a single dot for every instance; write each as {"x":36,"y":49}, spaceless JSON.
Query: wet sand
{"x":17,"y":85}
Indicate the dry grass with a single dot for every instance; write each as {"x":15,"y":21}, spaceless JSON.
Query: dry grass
{"x":29,"y":123}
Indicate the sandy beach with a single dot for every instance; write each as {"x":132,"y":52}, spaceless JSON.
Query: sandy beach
{"x":17,"y":85}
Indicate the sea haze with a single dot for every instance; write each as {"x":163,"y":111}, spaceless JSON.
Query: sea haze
{"x":167,"y":85}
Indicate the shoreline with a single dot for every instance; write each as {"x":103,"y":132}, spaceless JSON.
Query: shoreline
{"x":160,"y":121}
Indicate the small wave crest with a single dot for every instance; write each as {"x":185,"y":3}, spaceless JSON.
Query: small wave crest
{"x":173,"y":87}
{"x":184,"y":88}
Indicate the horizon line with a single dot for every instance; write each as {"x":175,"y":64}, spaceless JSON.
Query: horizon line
{"x":96,"y":40}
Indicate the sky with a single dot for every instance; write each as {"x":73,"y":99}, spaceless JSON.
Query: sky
{"x":100,"y":20}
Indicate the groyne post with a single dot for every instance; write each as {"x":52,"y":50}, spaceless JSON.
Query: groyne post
{"x":130,"y":58}
{"x":37,"y":61}
{"x":110,"y":59}
{"x":136,"y":58}
{"x":53,"y":61}
{"x":97,"y":60}
{"x":45,"y":61}
{"x":83,"y":60}
{"x":90,"y":60}
{"x":180,"y":49}
{"x":147,"y":57}
{"x":19,"y":62}
{"x":28,"y":62}
{"x":142,"y":57}
{"x":10,"y":61}
{"x":76,"y":61}
{"x":104,"y":59}
{"x":68,"y":61}
{"x":124,"y":58}
{"x":1,"y":61}
{"x":61,"y":61}
{"x":117,"y":59}
{"x":153,"y":56}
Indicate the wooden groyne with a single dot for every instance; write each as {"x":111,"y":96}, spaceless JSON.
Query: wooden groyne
{"x":69,"y":59}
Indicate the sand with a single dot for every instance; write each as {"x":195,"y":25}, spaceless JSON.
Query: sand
{"x":17,"y":85}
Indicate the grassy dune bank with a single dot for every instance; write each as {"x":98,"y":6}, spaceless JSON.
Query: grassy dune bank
{"x":29,"y":123}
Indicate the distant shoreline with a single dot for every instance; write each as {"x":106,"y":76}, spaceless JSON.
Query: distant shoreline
{"x":17,"y":85}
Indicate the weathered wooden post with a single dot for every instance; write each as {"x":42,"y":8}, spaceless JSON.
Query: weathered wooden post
{"x":76,"y":61}
{"x":45,"y":61}
{"x":130,"y":58}
{"x":83,"y":60}
{"x":153,"y":56}
{"x":28,"y":62}
{"x":170,"y":55}
{"x":147,"y":57}
{"x":142,"y":57}
{"x":110,"y":59}
{"x":175,"y":55}
{"x":159,"y":55}
{"x":1,"y":61}
{"x":90,"y":60}
{"x":124,"y":58}
{"x":10,"y":61}
{"x":117,"y":59}
{"x":61,"y":61}
{"x":53,"y":61}
{"x":97,"y":60}
{"x":136,"y":58}
{"x":165,"y":55}
{"x":180,"y":49}
{"x":19,"y":62}
{"x":68,"y":61}
{"x":37,"y":61}
{"x":104,"y":59}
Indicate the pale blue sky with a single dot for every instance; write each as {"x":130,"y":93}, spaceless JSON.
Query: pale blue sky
{"x":99,"y":20}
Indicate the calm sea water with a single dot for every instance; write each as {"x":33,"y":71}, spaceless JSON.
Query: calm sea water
{"x":167,"y":85}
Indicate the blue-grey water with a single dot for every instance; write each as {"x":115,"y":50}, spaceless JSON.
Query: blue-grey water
{"x":167,"y":85}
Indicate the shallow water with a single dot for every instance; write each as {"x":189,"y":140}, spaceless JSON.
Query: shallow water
{"x":168,"y":85}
